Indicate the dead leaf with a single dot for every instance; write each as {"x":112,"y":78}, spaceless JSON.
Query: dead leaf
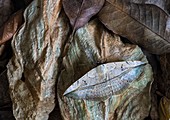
{"x":93,"y":44}
{"x":80,"y":11}
{"x":105,"y":80}
{"x":10,"y":27}
{"x":144,"y":24}
{"x":162,"y":4}
{"x":164,"y":109}
{"x":35,"y":65}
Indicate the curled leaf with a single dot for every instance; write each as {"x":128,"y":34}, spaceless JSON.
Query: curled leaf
{"x":10,"y":27}
{"x":80,"y":11}
{"x":147,"y":25}
{"x":105,"y":80}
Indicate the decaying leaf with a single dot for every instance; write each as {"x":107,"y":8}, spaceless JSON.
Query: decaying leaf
{"x":34,"y":67}
{"x":94,"y":45}
{"x":164,"y":109}
{"x":105,"y":80}
{"x":147,"y":25}
{"x":10,"y":27}
{"x":162,"y":4}
{"x":80,"y":11}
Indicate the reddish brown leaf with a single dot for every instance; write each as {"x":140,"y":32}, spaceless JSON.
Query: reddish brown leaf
{"x":80,"y":11}
{"x":10,"y":27}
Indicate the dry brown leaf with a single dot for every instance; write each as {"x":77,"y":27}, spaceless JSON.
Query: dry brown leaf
{"x":147,"y":25}
{"x":11,"y":26}
{"x":164,"y":109}
{"x":80,"y":11}
{"x":34,"y":67}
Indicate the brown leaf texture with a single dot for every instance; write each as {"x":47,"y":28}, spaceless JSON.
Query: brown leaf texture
{"x":80,"y":11}
{"x":162,"y":4}
{"x":164,"y":108}
{"x":34,"y":67}
{"x":10,"y":27}
{"x":147,"y":25}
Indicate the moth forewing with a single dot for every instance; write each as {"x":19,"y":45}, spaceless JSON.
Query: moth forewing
{"x":105,"y":80}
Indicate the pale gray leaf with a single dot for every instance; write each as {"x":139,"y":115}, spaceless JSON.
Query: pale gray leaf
{"x":105,"y":80}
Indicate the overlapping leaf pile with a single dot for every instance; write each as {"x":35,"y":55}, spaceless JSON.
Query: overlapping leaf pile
{"x":62,"y":51}
{"x":6,"y":9}
{"x":9,"y":24}
{"x":145,"y":23}
{"x":87,"y":51}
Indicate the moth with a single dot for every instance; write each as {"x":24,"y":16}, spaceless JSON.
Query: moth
{"x":105,"y":80}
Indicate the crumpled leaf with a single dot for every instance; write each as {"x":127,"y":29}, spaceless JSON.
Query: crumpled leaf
{"x":144,"y":24}
{"x":164,"y":108}
{"x":80,"y":11}
{"x":34,"y":67}
{"x":10,"y":27}
{"x":105,"y":80}
{"x":94,"y":45}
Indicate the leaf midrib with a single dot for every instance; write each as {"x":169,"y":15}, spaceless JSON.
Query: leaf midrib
{"x":139,"y":21}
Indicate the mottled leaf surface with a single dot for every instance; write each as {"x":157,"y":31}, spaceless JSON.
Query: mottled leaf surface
{"x":80,"y":11}
{"x":34,"y":67}
{"x":105,"y":80}
{"x":93,"y":46}
{"x":147,"y":25}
